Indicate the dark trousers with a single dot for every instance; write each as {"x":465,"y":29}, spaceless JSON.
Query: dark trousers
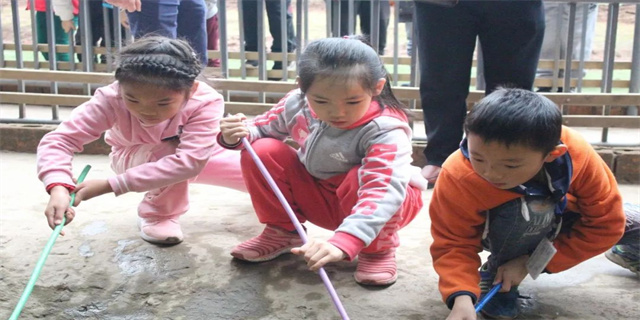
{"x":98,"y":36}
{"x":274,"y":11}
{"x":363,"y":9}
{"x":184,"y":19}
{"x":511,"y":34}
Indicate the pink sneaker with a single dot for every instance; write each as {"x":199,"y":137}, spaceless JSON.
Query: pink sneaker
{"x":165,"y":231}
{"x":377,"y":269}
{"x":271,"y":243}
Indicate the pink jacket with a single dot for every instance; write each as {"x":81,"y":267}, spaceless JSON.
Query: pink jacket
{"x":195,"y":127}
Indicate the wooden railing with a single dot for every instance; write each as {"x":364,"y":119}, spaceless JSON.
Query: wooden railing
{"x":227,"y":86}
{"x":402,"y":76}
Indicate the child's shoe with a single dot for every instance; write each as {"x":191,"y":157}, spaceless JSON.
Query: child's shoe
{"x":377,"y":269}
{"x":486,"y":279}
{"x":502,"y":305}
{"x":625,"y":256}
{"x":160,"y":231}
{"x":271,"y":243}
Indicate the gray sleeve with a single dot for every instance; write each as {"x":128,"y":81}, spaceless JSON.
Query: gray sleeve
{"x":275,"y":122}
{"x":384,"y":178}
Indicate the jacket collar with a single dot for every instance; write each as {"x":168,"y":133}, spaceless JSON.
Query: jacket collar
{"x":558,"y":172}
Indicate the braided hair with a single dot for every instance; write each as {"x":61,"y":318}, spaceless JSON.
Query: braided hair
{"x":159,"y":61}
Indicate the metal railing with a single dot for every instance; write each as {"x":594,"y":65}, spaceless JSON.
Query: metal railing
{"x":308,"y":15}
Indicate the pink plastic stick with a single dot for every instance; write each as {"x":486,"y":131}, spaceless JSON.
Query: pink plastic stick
{"x":296,"y":223}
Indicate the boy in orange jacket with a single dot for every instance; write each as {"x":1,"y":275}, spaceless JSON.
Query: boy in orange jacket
{"x":533,"y":193}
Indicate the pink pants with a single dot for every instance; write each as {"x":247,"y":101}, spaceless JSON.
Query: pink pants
{"x":223,"y":169}
{"x":325,"y":203}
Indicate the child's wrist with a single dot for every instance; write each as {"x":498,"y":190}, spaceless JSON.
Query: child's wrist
{"x":462,"y":300}
{"x":58,"y":186}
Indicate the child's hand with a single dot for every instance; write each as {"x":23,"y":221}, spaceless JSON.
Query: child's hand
{"x":317,"y":253}
{"x":512,"y":273}
{"x":58,"y":206}
{"x":68,"y":26}
{"x":463,"y":309}
{"x":233,"y":128}
{"x":91,"y":189}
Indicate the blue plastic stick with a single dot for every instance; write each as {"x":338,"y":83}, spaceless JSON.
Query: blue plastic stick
{"x":488,"y":297}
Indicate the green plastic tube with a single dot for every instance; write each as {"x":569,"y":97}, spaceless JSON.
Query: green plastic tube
{"x":43,"y":256}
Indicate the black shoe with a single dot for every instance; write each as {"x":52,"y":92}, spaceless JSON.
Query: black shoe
{"x":251,"y":64}
{"x":277,"y":65}
{"x":548,"y":89}
{"x":544,"y":89}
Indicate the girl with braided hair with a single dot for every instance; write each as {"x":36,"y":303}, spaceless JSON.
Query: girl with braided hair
{"x":161,"y":124}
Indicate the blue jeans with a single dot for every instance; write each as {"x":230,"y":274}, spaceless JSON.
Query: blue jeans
{"x":511,"y":235}
{"x":183,"y":19}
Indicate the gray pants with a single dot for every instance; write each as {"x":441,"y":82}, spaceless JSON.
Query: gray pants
{"x":554,"y":45}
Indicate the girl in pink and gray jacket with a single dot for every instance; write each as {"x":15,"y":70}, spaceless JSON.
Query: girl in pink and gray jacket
{"x":352,"y":173}
{"x":161,"y":124}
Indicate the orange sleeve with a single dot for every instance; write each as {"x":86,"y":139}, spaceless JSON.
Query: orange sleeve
{"x":595,"y":196}
{"x":456,"y":228}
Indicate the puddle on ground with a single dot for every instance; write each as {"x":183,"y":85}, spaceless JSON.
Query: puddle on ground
{"x":94,"y":228}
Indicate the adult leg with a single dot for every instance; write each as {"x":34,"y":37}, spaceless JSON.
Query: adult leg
{"x":274,"y":12}
{"x":250,"y":24}
{"x":554,"y":27}
{"x":155,"y":17}
{"x":344,"y":17}
{"x":385,"y":12}
{"x":446,"y":43}
{"x":97,"y":28}
{"x":364,"y":12}
{"x":511,"y":38}
{"x":591,"y":17}
{"x":192,"y":26}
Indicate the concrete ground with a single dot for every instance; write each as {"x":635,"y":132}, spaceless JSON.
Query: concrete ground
{"x":102,"y":269}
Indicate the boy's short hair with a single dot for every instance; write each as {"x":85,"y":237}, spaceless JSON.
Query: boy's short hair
{"x":516,"y":116}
